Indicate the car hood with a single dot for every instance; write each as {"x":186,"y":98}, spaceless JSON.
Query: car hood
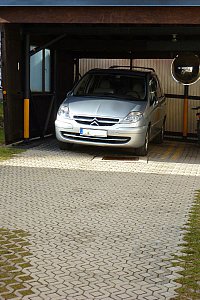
{"x":104,"y":107}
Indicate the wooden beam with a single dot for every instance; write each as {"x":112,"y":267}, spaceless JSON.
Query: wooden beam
{"x":101,"y":15}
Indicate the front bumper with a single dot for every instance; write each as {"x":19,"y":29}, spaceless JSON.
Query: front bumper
{"x":119,"y":135}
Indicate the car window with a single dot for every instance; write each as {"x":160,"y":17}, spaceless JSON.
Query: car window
{"x":113,"y":85}
{"x":153,"y":85}
{"x":152,"y":90}
{"x":158,"y":88}
{"x":80,"y":88}
{"x":161,"y":90}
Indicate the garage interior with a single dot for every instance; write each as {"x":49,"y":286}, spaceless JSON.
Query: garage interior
{"x":65,"y":50}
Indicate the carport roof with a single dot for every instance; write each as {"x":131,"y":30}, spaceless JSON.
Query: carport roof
{"x":100,"y":15}
{"x":115,"y":40}
{"x":100,"y":2}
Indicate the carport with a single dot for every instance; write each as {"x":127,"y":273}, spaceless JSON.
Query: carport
{"x":42,"y":48}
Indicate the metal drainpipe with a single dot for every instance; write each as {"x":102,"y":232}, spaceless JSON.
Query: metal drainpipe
{"x":27,"y":89}
{"x":185,"y":111}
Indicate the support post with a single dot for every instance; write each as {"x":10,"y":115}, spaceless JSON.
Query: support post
{"x":185,"y":112}
{"x":77,"y":70}
{"x":131,"y":63}
{"x":48,"y":115}
{"x":27,"y":89}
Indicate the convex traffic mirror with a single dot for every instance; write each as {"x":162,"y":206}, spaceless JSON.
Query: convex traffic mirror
{"x":185,"y":68}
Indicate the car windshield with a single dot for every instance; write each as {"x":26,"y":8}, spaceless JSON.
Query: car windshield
{"x":112,"y":85}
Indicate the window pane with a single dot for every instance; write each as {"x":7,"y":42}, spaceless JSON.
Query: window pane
{"x":117,"y":85}
{"x":36,"y":72}
{"x":47,"y":71}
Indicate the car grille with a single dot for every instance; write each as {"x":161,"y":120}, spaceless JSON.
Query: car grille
{"x":96,"y":121}
{"x":105,"y":140}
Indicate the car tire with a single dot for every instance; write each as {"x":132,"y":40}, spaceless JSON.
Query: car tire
{"x":160,"y":137}
{"x":142,"y":151}
{"x":64,"y":146}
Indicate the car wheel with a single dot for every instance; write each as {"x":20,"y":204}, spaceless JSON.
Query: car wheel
{"x":142,"y":151}
{"x":160,"y":137}
{"x":64,"y":146}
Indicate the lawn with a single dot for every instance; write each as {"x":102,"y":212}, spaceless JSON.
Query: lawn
{"x":5,"y":152}
{"x":190,"y":260}
{"x":1,"y":136}
{"x":1,"y":109}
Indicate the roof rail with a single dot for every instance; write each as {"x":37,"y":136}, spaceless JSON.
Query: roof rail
{"x":94,"y":69}
{"x":131,"y":67}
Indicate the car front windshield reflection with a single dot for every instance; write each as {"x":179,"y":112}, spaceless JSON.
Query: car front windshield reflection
{"x":109,"y":85}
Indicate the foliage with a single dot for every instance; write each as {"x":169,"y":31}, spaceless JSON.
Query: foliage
{"x":5,"y":152}
{"x":189,"y":261}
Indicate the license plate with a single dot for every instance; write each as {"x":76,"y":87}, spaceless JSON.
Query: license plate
{"x":93,"y":132}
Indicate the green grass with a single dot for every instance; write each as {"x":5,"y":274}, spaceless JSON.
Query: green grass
{"x":5,"y":152}
{"x":8,"y":152}
{"x":1,"y":109}
{"x":190,"y":260}
{"x":1,"y":136}
{"x":14,"y":255}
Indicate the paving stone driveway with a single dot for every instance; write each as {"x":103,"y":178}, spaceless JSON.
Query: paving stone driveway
{"x":94,"y":229}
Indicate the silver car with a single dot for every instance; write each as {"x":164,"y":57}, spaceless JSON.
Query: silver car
{"x":113,"y":107}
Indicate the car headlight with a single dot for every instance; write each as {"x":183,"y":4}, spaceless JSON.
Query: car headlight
{"x":63,"y":111}
{"x":132,"y":117}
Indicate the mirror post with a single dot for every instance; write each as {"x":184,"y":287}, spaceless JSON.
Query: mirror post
{"x":185,"y":111}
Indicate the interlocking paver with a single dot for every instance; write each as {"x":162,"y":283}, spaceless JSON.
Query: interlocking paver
{"x":96,"y":229}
